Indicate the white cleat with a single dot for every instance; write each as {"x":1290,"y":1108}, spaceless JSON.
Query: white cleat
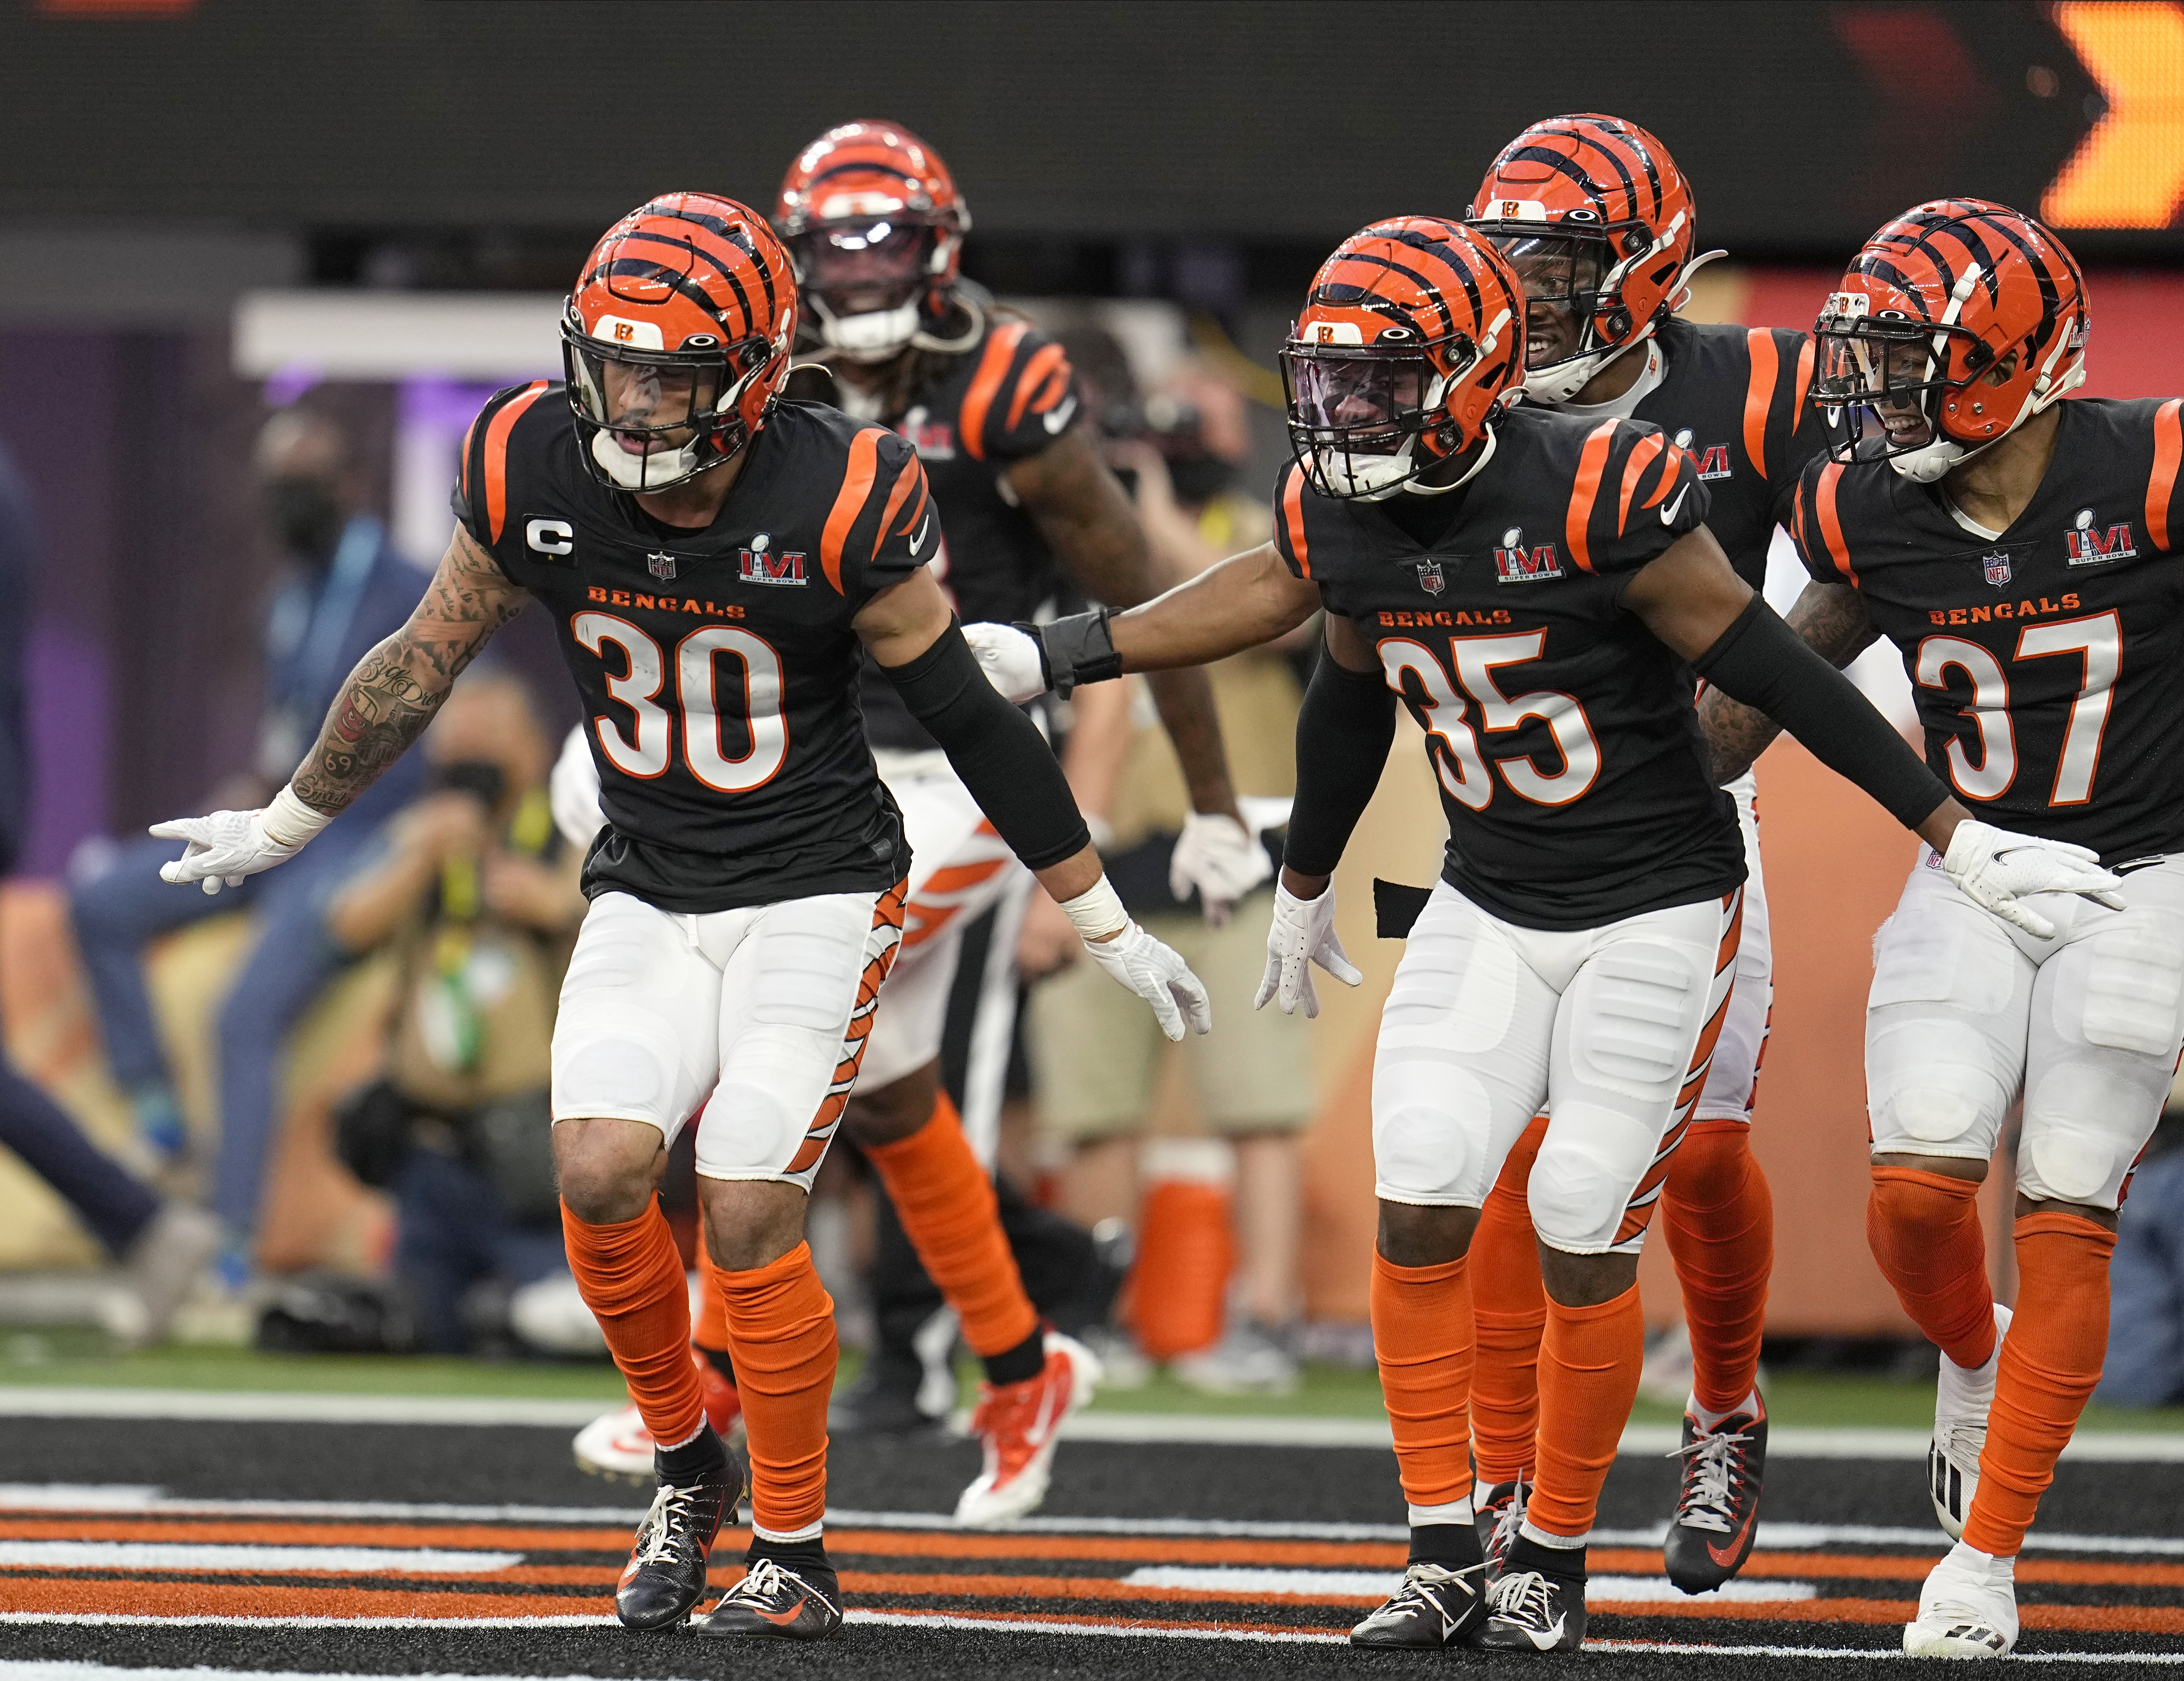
{"x":1962,"y":1400}
{"x":1968,"y":1608}
{"x":1020,"y":1425}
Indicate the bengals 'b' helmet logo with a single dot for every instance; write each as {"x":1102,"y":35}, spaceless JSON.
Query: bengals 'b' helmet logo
{"x":1956,"y":324}
{"x":1598,"y":221}
{"x":676,"y":339}
{"x":1412,"y":337}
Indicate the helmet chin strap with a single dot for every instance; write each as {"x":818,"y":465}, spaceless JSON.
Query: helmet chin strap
{"x":872,"y":335}
{"x":632,"y":472}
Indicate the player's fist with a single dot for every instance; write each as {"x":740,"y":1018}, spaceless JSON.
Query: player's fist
{"x":1012,"y":661}
{"x":1302,"y":934}
{"x":1158,"y":975}
{"x":1999,"y":869}
{"x":226,"y":846}
{"x":1220,"y":858}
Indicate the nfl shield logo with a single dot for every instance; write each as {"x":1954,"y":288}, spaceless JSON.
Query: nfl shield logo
{"x":1995,"y":567}
{"x":1429,"y":578}
{"x":662,"y":566}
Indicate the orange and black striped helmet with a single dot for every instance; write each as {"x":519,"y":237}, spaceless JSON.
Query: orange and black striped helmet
{"x":676,"y":338}
{"x":1955,"y":324}
{"x":1594,"y":214}
{"x":1411,"y":339}
{"x":874,"y":219}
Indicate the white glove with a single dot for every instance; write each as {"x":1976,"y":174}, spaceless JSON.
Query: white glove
{"x":226,"y":846}
{"x":1222,"y":858}
{"x":1301,"y":935}
{"x":573,"y":792}
{"x":1998,"y":870}
{"x":1138,"y":961}
{"x":1011,"y":659}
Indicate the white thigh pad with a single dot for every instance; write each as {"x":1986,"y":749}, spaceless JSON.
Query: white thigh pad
{"x":2134,"y":985}
{"x":1633,"y":1018}
{"x":636,"y":1035}
{"x":1937,"y":1085}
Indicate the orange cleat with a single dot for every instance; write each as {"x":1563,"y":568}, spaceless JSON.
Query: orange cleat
{"x":1019,"y":1424}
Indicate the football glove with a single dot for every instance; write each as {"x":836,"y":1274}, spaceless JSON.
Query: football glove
{"x":226,"y":846}
{"x":1158,"y":975}
{"x":1999,"y":869}
{"x":1011,"y":661}
{"x":1301,"y":935}
{"x":1221,"y":858}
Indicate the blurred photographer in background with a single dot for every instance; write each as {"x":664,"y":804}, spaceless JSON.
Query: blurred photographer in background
{"x":476,"y":894}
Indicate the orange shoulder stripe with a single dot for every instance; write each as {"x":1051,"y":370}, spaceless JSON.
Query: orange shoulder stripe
{"x":496,"y":455}
{"x":1804,"y":382}
{"x":905,"y":481}
{"x":848,"y":502}
{"x":1634,"y":471}
{"x":1590,"y":464}
{"x":1043,"y":361}
{"x":1759,"y":395}
{"x":993,"y":367}
{"x":2168,"y":452}
{"x":1824,"y":505}
{"x":1293,"y":516}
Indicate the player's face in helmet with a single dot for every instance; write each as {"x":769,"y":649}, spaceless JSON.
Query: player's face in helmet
{"x":644,"y":407}
{"x":865,"y":265}
{"x":1882,"y":384}
{"x":1363,"y":399}
{"x":1561,"y":292}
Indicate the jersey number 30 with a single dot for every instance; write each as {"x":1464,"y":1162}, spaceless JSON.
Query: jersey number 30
{"x":645,"y":752}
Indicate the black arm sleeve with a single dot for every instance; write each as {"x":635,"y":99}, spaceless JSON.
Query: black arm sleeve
{"x":1763,"y":663}
{"x":1344,"y":731}
{"x":1002,"y":759}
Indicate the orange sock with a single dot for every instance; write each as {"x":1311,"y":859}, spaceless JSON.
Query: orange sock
{"x":1719,"y":1221}
{"x":631,"y":1277}
{"x":712,"y":1331}
{"x":1422,"y":1337}
{"x":946,"y":1203}
{"x":1589,"y":1361}
{"x":1509,"y":1308}
{"x":2051,"y":1359}
{"x":781,"y":1335}
{"x":1924,"y":1231}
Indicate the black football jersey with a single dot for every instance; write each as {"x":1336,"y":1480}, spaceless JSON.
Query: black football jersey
{"x":975,"y":414}
{"x":718,"y":667}
{"x":1734,"y":397}
{"x":1562,"y":732}
{"x":2048,"y":663}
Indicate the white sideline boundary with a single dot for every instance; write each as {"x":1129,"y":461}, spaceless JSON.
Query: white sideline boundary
{"x":1186,"y":1429}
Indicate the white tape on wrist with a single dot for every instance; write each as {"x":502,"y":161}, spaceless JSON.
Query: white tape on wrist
{"x":1096,"y":912}
{"x":288,"y":822}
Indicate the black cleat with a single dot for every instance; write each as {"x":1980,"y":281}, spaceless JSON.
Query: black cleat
{"x":1435,"y":1607}
{"x":1529,"y":1611}
{"x":666,"y":1576}
{"x":774,"y":1603}
{"x":1501,"y":1514}
{"x":1718,"y":1510}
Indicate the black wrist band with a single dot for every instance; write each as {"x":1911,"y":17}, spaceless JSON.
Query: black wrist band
{"x":1078,"y":649}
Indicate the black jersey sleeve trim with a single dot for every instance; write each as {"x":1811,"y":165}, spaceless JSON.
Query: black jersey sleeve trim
{"x":1763,"y":663}
{"x":1009,"y":769}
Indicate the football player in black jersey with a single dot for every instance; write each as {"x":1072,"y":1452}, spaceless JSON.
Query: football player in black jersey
{"x":1600,"y":226}
{"x":892,"y":333}
{"x":2021,"y":554}
{"x":718,"y":561}
{"x":1538,"y":590}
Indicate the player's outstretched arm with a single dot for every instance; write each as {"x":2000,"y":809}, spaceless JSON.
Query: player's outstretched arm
{"x":1248,"y":599}
{"x":1017,"y":783}
{"x":1830,"y":619}
{"x":1690,"y":598}
{"x":388,"y":700}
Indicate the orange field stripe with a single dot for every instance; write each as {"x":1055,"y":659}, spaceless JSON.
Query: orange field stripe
{"x":1150,"y":1549}
{"x":1091,"y":1620}
{"x":2129,"y":1619}
{"x":1075,"y":1588}
{"x":494,"y":1537}
{"x":223,"y":1599}
{"x":600,"y":1576}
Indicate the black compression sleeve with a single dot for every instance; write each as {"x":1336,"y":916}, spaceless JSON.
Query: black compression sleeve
{"x":1344,"y":731}
{"x":1009,"y":769}
{"x":1763,"y":663}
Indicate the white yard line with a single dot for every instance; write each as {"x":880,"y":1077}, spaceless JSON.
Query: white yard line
{"x":254,"y":1560}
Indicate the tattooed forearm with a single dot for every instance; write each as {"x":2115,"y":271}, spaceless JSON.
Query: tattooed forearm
{"x":1833,"y":621}
{"x":397,"y":687}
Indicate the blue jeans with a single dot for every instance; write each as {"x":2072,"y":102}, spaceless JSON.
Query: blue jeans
{"x":2145,"y":1364}
{"x":126,"y":904}
{"x":108,"y":1200}
{"x":451,"y":1233}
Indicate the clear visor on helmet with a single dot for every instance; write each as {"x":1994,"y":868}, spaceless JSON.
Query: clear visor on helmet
{"x":1362,"y":401}
{"x":1876,"y":385}
{"x":1563,"y":275}
{"x":865,"y":265}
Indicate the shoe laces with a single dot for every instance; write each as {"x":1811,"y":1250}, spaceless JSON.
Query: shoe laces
{"x":768,"y":1581}
{"x":674,"y":1511}
{"x":1963,"y":1442}
{"x":1525,"y":1597}
{"x":1713,"y":1465}
{"x":1508,"y":1522}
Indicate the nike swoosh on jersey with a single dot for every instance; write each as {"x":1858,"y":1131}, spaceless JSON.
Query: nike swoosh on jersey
{"x":1057,"y":419}
{"x":918,"y":541}
{"x":1668,"y":513}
